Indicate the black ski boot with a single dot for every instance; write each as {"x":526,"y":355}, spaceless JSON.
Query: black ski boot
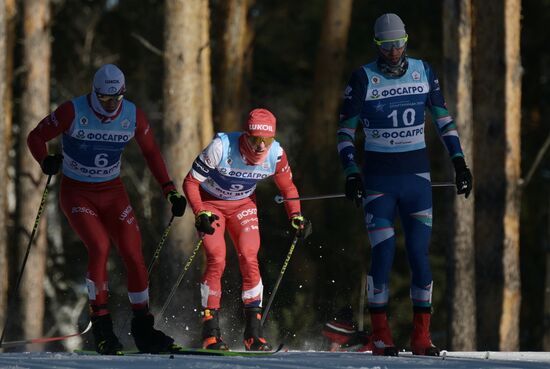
{"x":211,"y":334}
{"x":147,"y":338}
{"x":106,"y":343}
{"x":253,"y":337}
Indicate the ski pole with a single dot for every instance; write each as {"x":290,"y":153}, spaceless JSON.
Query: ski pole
{"x":443,"y":184}
{"x":281,"y":273}
{"x":180,"y":278}
{"x":279,"y":199}
{"x":361,"y":315}
{"x":46,"y":339}
{"x":31,"y":239}
{"x":159,"y":247}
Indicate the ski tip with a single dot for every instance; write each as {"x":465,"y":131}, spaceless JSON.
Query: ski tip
{"x":88,"y":327}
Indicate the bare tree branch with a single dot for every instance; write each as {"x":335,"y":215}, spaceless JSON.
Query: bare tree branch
{"x":89,"y":35}
{"x":148,"y":45}
{"x":540,"y":155}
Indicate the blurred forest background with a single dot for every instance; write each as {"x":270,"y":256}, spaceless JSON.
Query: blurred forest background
{"x":197,"y":67}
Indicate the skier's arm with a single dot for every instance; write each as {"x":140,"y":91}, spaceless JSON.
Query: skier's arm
{"x":445,"y":125}
{"x":50,"y":127}
{"x":151,"y":152}
{"x":447,"y":130}
{"x":192,"y":192}
{"x":283,"y":180}
{"x":200,"y":171}
{"x":353,"y":98}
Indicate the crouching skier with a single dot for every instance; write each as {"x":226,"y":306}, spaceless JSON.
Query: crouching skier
{"x":95,"y":128}
{"x":220,"y":189}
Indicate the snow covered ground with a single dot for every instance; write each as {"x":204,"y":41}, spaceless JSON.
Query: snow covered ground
{"x":281,"y":360}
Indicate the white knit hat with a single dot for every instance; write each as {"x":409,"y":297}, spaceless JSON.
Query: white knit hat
{"x":109,"y":80}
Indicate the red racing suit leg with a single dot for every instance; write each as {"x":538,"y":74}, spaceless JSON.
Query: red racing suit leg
{"x":240,"y":218}
{"x":244,"y":230}
{"x":99,"y":213}
{"x":215,"y":251}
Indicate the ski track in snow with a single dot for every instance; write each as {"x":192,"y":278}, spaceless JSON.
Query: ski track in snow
{"x":282,"y":360}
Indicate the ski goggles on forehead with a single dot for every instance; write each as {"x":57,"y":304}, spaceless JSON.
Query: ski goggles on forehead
{"x":396,"y":43}
{"x":107,"y":98}
{"x":255,"y":140}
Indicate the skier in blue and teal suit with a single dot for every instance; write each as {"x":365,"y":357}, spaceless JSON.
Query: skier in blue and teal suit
{"x":388,"y":98}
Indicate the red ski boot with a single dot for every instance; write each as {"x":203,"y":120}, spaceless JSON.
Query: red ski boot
{"x":343,"y":335}
{"x":366,"y":341}
{"x":382,"y":342}
{"x":421,"y":342}
{"x":340,"y":330}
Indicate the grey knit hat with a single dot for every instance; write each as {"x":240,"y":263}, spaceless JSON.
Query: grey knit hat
{"x":389,"y":27}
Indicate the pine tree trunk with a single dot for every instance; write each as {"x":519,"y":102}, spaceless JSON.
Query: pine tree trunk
{"x":328,"y":83}
{"x":489,"y":177}
{"x":235,"y":38}
{"x":4,"y":144}
{"x":497,"y":84}
{"x":187,"y":119}
{"x":457,"y":18}
{"x":206,"y":128}
{"x":546,"y":311}
{"x":35,"y":105}
{"x":7,"y":191}
{"x":12,"y":20}
{"x":511,"y":304}
{"x":11,"y":14}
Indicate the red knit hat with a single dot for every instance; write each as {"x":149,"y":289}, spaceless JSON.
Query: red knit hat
{"x":261,"y":123}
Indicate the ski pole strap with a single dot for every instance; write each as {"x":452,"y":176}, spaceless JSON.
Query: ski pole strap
{"x":280,"y":199}
{"x":281,"y":273}
{"x":180,"y":278}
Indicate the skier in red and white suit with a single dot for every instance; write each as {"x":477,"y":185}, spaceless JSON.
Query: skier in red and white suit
{"x":220,"y":189}
{"x":95,"y":129}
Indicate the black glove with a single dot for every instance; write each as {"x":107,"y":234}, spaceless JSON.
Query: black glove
{"x":354,"y":188}
{"x":178,"y":203}
{"x":51,"y":164}
{"x":204,"y":220}
{"x":463,"y":177}
{"x":302,"y":225}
